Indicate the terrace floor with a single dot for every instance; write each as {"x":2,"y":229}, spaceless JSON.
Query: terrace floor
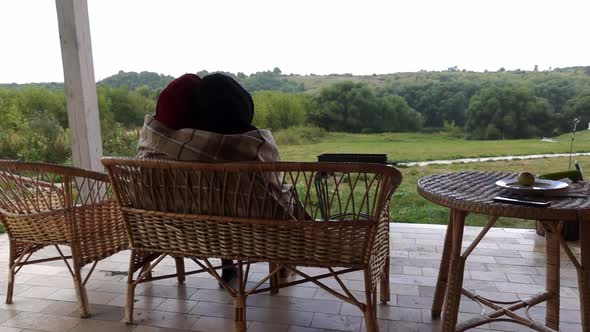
{"x":508,"y":264}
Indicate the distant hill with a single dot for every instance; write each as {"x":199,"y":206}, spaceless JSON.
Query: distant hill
{"x":133,"y":80}
{"x":312,"y":83}
{"x":48,"y":85}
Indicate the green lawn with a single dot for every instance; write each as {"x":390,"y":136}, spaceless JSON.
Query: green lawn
{"x":408,"y":206}
{"x":420,"y":147}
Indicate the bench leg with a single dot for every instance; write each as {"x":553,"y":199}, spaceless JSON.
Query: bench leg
{"x":130,"y":300}
{"x":180,"y":269}
{"x":11,"y":274}
{"x":274,"y":279}
{"x":240,"y":313}
{"x":370,"y":312}
{"x":81,"y":292}
{"x":78,"y":283}
{"x":384,"y":287}
{"x":240,"y":299}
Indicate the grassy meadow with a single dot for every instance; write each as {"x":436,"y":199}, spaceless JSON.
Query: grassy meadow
{"x":403,"y":147}
{"x":407,"y":205}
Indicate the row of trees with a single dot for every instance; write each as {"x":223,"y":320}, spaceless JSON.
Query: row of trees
{"x":354,"y":107}
{"x":259,"y":81}
{"x":33,"y":118}
{"x":554,"y":97}
{"x":496,"y":105}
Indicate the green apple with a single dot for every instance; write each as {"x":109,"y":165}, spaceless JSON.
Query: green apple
{"x":526,"y":179}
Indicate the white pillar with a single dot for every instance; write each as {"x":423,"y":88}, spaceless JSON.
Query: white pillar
{"x":79,"y":83}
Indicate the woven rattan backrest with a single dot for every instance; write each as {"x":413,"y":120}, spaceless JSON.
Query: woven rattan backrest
{"x":259,"y":211}
{"x":302,"y":191}
{"x":29,"y":187}
{"x":38,"y":201}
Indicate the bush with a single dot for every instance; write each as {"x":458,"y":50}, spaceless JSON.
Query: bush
{"x":507,"y":112}
{"x":118,"y":141}
{"x":278,"y":110}
{"x":299,"y":135}
{"x":39,"y":138}
{"x":354,"y":107}
{"x":450,"y":129}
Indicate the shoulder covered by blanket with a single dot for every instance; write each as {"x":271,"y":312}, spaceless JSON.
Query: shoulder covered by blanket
{"x":158,"y":141}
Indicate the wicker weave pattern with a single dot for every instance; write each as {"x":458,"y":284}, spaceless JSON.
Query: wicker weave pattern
{"x":291,"y":242}
{"x":474,"y":191}
{"x":42,"y":204}
{"x":50,"y":204}
{"x":241,"y":217}
{"x":290,"y":214}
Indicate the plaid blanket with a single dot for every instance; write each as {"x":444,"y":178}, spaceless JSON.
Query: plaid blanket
{"x":160,"y":142}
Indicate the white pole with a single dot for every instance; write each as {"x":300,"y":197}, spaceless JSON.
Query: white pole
{"x":80,"y":86}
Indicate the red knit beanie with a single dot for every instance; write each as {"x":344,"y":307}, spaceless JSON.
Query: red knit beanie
{"x":177,"y":101}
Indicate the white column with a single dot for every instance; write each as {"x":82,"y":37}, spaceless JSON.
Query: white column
{"x":80,"y":86}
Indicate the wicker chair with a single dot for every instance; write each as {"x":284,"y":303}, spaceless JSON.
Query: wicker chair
{"x":237,"y":211}
{"x":44,"y":205}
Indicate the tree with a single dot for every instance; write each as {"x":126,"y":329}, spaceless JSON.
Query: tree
{"x":268,"y":80}
{"x":277,"y":71}
{"x":346,"y":106}
{"x":354,"y":107}
{"x":133,"y":80}
{"x":127,"y":107}
{"x":558,"y":90}
{"x":278,"y":110}
{"x":398,"y":116}
{"x":444,"y":99}
{"x":578,"y":107}
{"x":507,"y":112}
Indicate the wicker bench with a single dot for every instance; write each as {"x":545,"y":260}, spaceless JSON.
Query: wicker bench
{"x":262,"y":212}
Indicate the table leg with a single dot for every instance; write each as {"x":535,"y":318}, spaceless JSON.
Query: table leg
{"x":584,"y":274}
{"x":552,"y":245}
{"x":456,"y":270}
{"x":443,"y":274}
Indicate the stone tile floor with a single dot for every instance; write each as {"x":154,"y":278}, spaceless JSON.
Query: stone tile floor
{"x":508,"y":264}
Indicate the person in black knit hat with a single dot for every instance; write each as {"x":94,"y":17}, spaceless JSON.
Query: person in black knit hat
{"x":223,"y":106}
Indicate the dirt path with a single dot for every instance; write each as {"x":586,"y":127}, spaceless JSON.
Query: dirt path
{"x":483,"y":159}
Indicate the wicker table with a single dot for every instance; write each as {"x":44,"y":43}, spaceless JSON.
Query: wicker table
{"x":472,"y":192}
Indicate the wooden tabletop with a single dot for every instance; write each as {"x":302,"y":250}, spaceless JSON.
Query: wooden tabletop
{"x":474,"y":192}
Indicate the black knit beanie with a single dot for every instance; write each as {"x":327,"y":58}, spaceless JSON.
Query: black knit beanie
{"x":223,"y":106}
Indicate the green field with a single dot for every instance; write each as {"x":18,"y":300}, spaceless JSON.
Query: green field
{"x":408,"y":206}
{"x":419,"y":147}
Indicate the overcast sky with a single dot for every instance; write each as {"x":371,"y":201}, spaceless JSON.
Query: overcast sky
{"x":316,"y":36}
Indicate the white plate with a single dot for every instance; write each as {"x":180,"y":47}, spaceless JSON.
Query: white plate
{"x":539,"y":187}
